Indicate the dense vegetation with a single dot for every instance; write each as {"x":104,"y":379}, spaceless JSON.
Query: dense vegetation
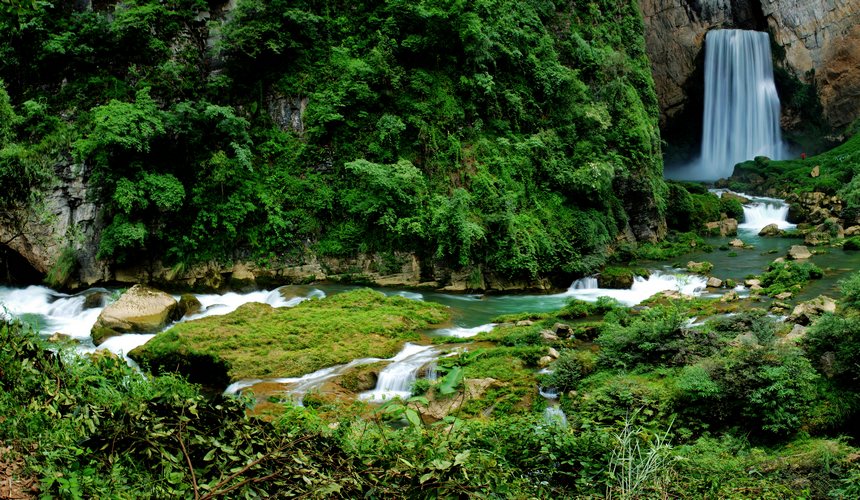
{"x":655,"y":407}
{"x":519,"y":136}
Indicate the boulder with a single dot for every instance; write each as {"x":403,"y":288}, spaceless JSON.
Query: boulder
{"x":852,"y":231}
{"x":548,"y":336}
{"x":619,"y":278}
{"x":544,"y":361}
{"x":562,"y":330}
{"x":769,"y":230}
{"x":552,"y":353}
{"x":752,"y":282}
{"x":737,"y":243}
{"x":798,"y":252}
{"x":728,"y":227}
{"x":797,"y":213}
{"x":806,"y":312}
{"x":730,"y":297}
{"x":728,"y":195}
{"x":58,"y":337}
{"x":703,"y":267}
{"x":783,"y":296}
{"x":796,"y":333}
{"x":725,"y":227}
{"x":139,"y":310}
{"x":816,"y":238}
{"x":818,"y":215}
{"x":188,"y":305}
{"x":474,"y":388}
{"x":95,"y":300}
{"x":756,"y":288}
{"x":714,"y":282}
{"x":816,"y":171}
{"x":525,"y":322}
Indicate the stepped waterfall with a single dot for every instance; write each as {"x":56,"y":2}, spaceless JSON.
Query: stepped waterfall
{"x":741,"y":114}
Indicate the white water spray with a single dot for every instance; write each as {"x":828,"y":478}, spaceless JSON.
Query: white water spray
{"x":586,"y":288}
{"x":741,"y":115}
{"x":395,"y":380}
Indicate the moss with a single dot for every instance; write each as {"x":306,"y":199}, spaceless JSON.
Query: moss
{"x":616,"y":277}
{"x":788,"y":276}
{"x":852,"y":243}
{"x":836,"y":171}
{"x":703,"y":267}
{"x":675,"y":245}
{"x":258,"y":341}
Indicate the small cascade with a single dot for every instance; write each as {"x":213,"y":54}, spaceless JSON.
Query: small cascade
{"x":587,"y":283}
{"x":763,"y":212}
{"x":216,"y":305}
{"x":462,"y":332}
{"x":49,"y":311}
{"x":548,"y":392}
{"x":396,"y":379}
{"x":554,"y":416}
{"x":299,"y":386}
{"x":642,"y":288}
{"x":742,"y":109}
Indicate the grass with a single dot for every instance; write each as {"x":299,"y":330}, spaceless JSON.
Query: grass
{"x":836,"y":169}
{"x":257,"y":341}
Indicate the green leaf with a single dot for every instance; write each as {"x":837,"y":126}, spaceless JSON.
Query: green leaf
{"x":449,"y":384}
{"x":413,"y":418}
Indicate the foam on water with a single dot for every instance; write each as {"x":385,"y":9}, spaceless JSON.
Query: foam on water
{"x":217,"y":305}
{"x":395,"y":380}
{"x":642,"y":288}
{"x":50,"y":311}
{"x":463,"y":332}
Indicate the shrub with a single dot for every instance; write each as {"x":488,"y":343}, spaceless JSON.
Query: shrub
{"x":570,"y":368}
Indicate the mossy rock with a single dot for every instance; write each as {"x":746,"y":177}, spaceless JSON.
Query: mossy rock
{"x":703,"y":267}
{"x":259,"y":341}
{"x":616,"y":277}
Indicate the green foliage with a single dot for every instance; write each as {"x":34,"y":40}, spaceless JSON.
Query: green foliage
{"x":789,"y":276}
{"x":569,"y":369}
{"x":837,"y":168}
{"x":675,"y":245}
{"x":655,"y":336}
{"x":258,"y":341}
{"x":421,"y":129}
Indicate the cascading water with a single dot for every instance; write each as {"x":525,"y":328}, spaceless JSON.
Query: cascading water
{"x":741,"y":115}
{"x":586,"y":288}
{"x":763,"y":212}
{"x":395,"y":380}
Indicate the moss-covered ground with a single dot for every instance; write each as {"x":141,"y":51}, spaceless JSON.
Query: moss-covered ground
{"x":258,"y":341}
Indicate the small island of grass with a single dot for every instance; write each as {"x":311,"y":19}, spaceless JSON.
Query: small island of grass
{"x":258,"y":341}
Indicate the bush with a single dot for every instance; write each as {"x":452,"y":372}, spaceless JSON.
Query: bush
{"x":569,"y":369}
{"x":788,"y":276}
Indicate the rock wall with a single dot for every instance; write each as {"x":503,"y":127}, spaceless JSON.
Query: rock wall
{"x":67,"y":217}
{"x":820,"y":39}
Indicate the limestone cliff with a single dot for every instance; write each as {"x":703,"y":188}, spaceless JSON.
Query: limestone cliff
{"x":820,"y":40}
{"x":65,"y":218}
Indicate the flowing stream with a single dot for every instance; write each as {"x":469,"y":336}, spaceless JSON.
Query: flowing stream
{"x":50,"y":311}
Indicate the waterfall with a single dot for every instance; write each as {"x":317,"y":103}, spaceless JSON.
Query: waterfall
{"x":395,"y":380}
{"x":741,"y":115}
{"x":553,"y":415}
{"x":741,"y":106}
{"x":587,"y":283}
{"x":763,"y":213}
{"x":586,"y":288}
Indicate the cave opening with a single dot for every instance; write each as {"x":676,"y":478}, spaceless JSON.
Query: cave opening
{"x":16,"y":270}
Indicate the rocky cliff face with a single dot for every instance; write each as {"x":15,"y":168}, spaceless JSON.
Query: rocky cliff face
{"x":820,"y":40}
{"x":67,"y":218}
